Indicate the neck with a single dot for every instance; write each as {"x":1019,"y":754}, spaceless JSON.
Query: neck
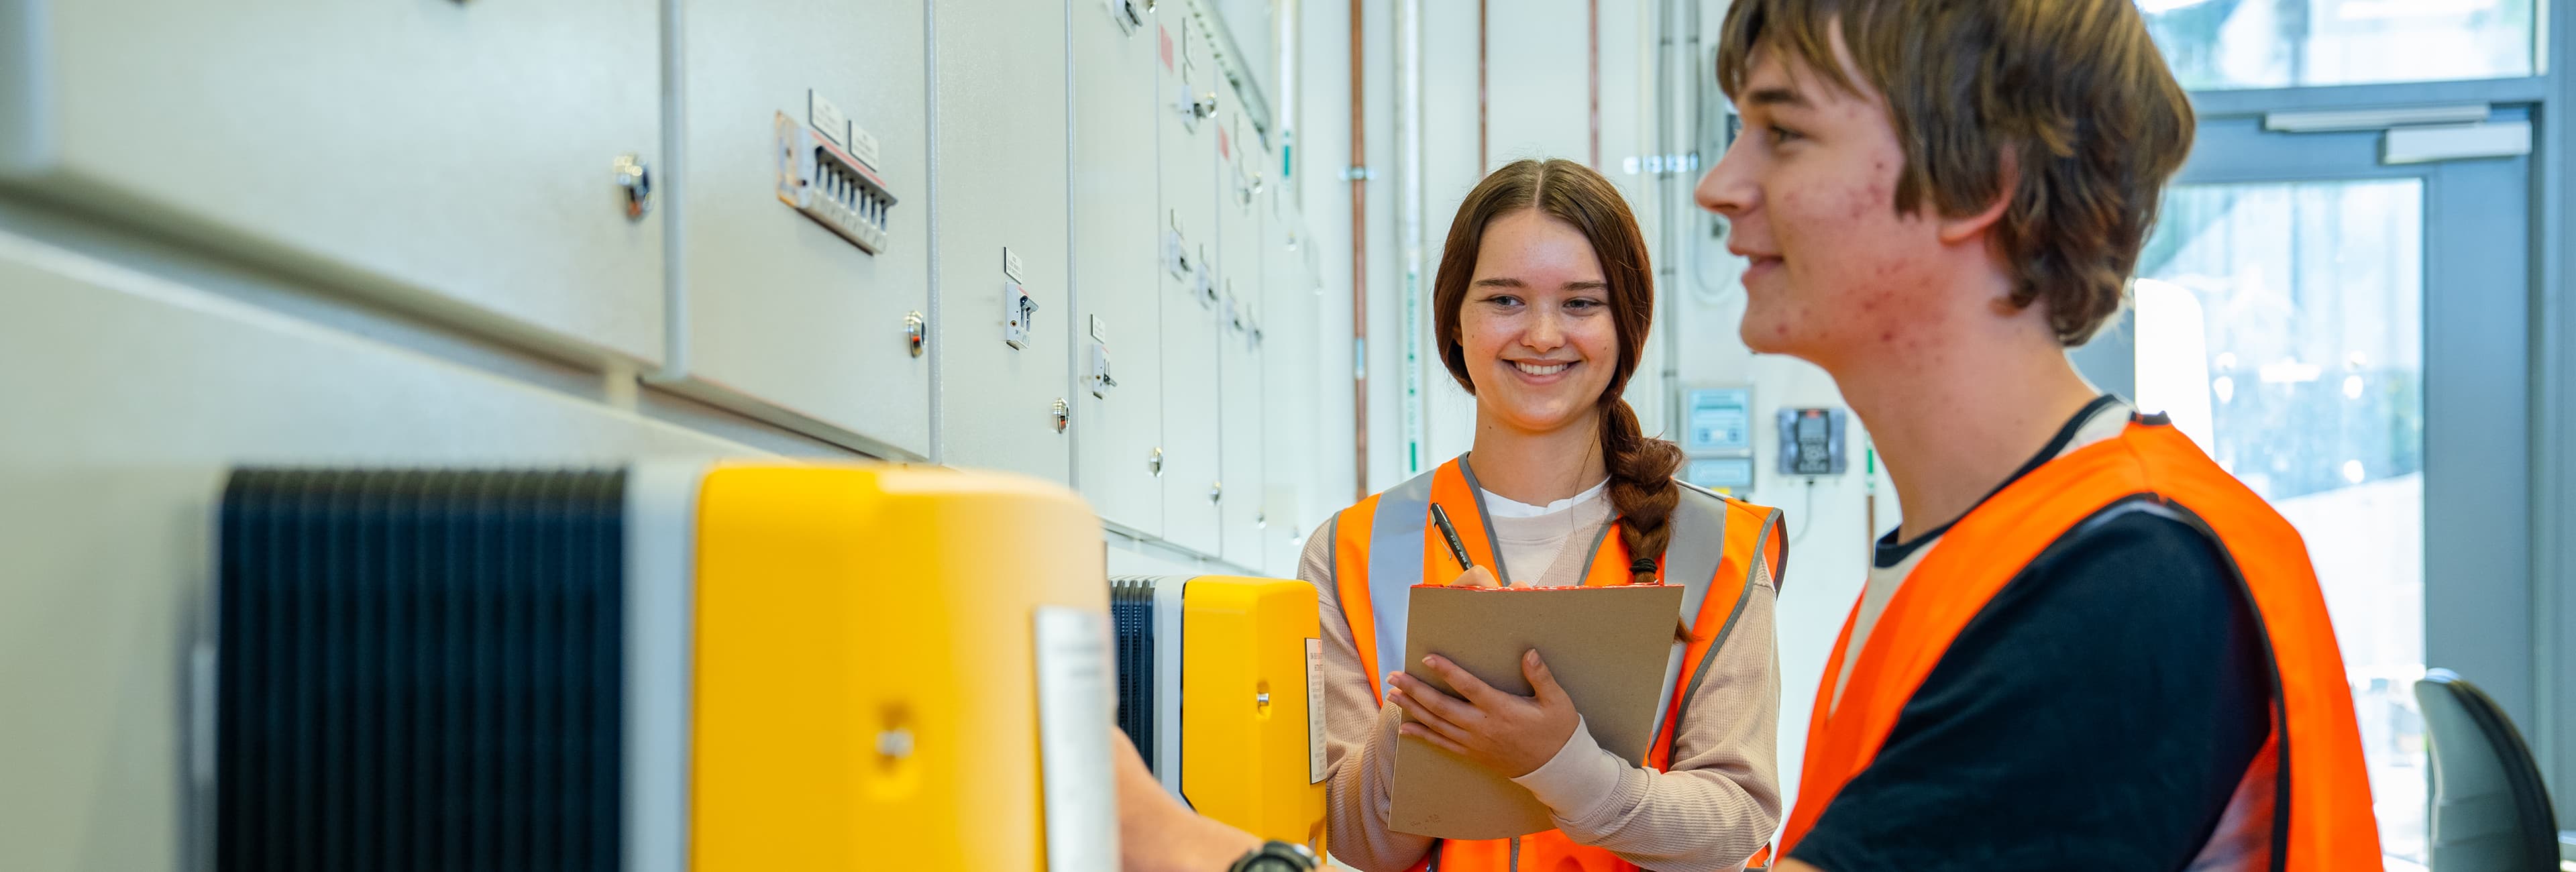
{"x":1537,"y":467}
{"x":1954,"y":415}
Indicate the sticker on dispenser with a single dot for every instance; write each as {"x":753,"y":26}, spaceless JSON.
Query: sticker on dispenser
{"x":1011,"y":266}
{"x":826,"y":118}
{"x":1075,"y":715}
{"x":1314,"y":711}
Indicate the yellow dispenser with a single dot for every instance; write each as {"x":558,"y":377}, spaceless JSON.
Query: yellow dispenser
{"x":866,"y":663}
{"x":1221,"y":688}
{"x":685,"y":668}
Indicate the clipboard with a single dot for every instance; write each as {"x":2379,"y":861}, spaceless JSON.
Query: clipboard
{"x":1608,"y":646}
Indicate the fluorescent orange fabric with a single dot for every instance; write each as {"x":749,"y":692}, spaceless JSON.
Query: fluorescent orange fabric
{"x":1752,"y":533}
{"x":2323,"y":788}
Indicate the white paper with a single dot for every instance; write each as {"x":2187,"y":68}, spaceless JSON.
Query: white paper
{"x":1075,"y":714}
{"x":1314,"y":711}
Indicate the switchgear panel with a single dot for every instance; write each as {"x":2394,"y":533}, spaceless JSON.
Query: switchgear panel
{"x":495,"y":167}
{"x":803,"y":228}
{"x":1121,"y":261}
{"x":1192,"y":327}
{"x":1006,"y":354}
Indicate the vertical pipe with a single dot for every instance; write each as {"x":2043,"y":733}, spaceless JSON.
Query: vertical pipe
{"x":1408,"y":216}
{"x":1359,"y":260}
{"x":1484,"y":164}
{"x":1668,"y":219}
{"x":1594,"y":63}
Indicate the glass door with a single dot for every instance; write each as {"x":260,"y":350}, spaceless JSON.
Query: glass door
{"x":2337,"y":315}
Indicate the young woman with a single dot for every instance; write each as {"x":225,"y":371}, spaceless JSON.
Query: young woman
{"x":1541,"y":306}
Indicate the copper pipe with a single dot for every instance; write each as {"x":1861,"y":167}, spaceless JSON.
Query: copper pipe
{"x":1483,"y":164}
{"x":1359,"y":262}
{"x":1595,"y":6}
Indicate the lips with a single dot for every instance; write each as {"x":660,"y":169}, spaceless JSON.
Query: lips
{"x":1542,"y":368}
{"x":1762,"y":265}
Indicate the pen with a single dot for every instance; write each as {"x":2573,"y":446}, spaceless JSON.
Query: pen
{"x":1449,"y":531}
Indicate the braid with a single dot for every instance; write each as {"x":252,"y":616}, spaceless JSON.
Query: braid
{"x":1641,"y":485}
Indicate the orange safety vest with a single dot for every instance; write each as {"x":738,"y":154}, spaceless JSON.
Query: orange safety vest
{"x":1386,"y":544}
{"x":2318,"y":792}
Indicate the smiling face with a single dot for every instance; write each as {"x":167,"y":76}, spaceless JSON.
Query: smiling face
{"x":1536,"y":329}
{"x":1809,"y":190}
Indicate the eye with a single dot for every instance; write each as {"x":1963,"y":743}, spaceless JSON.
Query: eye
{"x":1585,"y":303}
{"x":1782,"y":135}
{"x":1504,"y":300}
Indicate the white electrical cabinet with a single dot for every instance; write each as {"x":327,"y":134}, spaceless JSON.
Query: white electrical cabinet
{"x":1292,"y":464}
{"x":1001,"y":337}
{"x":129,"y":393}
{"x":1116,"y":259}
{"x":1243,"y":274}
{"x":1192,"y":296}
{"x":488,"y":165}
{"x":802,"y":220}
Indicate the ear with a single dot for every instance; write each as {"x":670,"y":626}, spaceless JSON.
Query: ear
{"x":1955,"y":230}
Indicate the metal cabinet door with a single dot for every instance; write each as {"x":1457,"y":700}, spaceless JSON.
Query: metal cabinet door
{"x":784,"y":318}
{"x":1292,"y":467}
{"x":1242,"y":278}
{"x":999,"y":114}
{"x":1115,"y":255}
{"x":1191,"y":300}
{"x":454,"y":160}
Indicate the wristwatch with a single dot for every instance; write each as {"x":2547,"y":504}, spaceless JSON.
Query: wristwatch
{"x":1277,"y":856}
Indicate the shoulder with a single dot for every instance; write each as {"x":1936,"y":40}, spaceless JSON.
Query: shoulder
{"x":2139,"y":556}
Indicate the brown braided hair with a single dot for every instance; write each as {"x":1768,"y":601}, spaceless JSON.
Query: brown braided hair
{"x":1642,"y":489}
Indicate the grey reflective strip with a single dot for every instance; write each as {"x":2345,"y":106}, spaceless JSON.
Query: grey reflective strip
{"x":1476,"y":491}
{"x":1598,"y":539}
{"x":1395,"y":565}
{"x":1697,"y":544}
{"x":1761,"y":560}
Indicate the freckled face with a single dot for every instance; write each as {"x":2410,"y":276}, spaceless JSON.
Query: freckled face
{"x":1809,"y":191}
{"x":1536,"y":327}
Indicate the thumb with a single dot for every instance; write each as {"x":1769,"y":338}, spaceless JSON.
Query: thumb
{"x":1542,"y":682}
{"x":1475,"y":577}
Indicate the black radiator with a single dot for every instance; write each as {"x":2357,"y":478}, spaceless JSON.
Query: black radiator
{"x":419,"y":670}
{"x":1131,"y":610}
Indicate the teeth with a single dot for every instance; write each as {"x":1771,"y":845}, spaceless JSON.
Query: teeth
{"x":1550,"y":369}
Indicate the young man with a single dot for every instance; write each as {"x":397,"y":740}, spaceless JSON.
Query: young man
{"x":2086,"y":646}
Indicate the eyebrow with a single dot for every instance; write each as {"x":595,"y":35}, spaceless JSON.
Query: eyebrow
{"x":1775,"y":96}
{"x":1509,"y":282}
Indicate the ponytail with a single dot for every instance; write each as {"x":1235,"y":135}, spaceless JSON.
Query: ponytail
{"x":1642,"y":490}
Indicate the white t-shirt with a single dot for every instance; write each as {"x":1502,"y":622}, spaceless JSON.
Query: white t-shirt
{"x":1545,"y":546}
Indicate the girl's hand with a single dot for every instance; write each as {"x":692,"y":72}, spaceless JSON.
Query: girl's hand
{"x":1511,"y":734}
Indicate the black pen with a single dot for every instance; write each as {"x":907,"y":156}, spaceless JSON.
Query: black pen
{"x":1449,"y":531}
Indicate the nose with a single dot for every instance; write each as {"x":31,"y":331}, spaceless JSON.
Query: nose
{"x":1544,"y":334}
{"x":1728,"y":188}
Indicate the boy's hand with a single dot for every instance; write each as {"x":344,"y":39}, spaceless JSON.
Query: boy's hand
{"x":1511,"y":734}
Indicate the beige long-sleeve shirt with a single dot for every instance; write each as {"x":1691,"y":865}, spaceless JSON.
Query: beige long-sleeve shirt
{"x":1718,"y":803}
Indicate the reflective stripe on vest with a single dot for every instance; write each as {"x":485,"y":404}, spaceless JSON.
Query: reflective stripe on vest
{"x":1386,"y":545}
{"x":2321,"y":790}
